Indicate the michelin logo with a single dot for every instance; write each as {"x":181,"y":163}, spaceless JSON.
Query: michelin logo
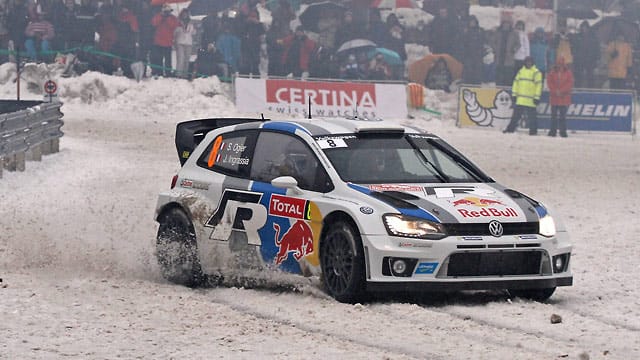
{"x":481,"y":116}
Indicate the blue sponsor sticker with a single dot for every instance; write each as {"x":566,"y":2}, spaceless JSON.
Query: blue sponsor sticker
{"x":426,"y":268}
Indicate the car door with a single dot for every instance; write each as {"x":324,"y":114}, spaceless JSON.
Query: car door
{"x":291,"y":233}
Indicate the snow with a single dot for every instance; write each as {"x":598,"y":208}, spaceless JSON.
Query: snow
{"x":80,"y":277}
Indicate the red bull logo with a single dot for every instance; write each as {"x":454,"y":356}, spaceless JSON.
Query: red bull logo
{"x":297,"y":240}
{"x":476,"y":202}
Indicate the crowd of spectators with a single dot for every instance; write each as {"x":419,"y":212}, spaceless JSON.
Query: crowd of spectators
{"x":236,"y":41}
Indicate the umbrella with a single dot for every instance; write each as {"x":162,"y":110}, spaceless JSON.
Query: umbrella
{"x":356,"y":44}
{"x":607,"y":28}
{"x":418,"y":70}
{"x":206,"y":7}
{"x":390,"y":57}
{"x":394,"y":4}
{"x":577,"y":9}
{"x":161,"y":2}
{"x":313,"y":13}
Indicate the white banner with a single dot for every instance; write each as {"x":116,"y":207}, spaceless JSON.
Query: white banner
{"x":289,"y":97}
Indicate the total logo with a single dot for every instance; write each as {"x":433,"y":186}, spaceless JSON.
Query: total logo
{"x":488,"y":208}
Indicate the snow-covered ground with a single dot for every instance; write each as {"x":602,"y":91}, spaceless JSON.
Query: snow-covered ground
{"x":80,"y":278}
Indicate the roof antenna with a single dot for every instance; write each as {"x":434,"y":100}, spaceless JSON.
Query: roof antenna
{"x":262,"y":116}
{"x":309,"y":107}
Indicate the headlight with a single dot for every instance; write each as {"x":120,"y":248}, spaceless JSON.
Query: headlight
{"x":407,"y":226}
{"x":547,"y":226}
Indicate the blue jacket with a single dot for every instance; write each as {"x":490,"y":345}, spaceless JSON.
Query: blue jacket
{"x":539,"y":53}
{"x":229,"y":45}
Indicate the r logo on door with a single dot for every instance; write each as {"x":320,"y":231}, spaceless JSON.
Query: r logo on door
{"x":238,"y":211}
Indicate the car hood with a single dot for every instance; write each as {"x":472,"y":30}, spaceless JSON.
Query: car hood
{"x":457,"y":203}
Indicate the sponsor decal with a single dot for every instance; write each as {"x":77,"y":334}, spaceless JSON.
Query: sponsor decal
{"x":527,"y":237}
{"x":321,"y":94}
{"x":472,"y":238}
{"x":332,"y":143}
{"x":404,"y":244}
{"x":238,"y":211}
{"x":289,"y":207}
{"x":487,"y":206}
{"x":298,"y":240}
{"x":366,"y":210}
{"x":227,"y":153}
{"x":395,"y":187}
{"x":190,"y":184}
{"x":426,"y":267}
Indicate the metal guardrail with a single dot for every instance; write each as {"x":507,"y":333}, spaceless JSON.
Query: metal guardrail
{"x":28,"y":130}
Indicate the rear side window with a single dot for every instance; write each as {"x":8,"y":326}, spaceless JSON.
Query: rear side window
{"x":280,"y":154}
{"x":229,"y":153}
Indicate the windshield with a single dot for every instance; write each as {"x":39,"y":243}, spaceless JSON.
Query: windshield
{"x":388,"y":158}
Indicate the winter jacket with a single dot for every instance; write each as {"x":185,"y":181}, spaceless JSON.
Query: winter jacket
{"x":304,"y":56}
{"x":586,"y":51}
{"x":540,"y":50}
{"x":43,"y":28}
{"x":560,"y":83}
{"x":229,"y":46}
{"x":527,"y":86}
{"x":183,"y":35}
{"x":505,"y":44}
{"x":524,"y":50}
{"x":563,"y":49}
{"x":619,"y":54}
{"x":165,"y":26}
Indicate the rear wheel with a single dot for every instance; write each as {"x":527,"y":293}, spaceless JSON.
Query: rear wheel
{"x":533,"y":294}
{"x":342,"y":262}
{"x":177,"y":250}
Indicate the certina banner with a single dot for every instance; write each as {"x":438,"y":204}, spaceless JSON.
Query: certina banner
{"x":328,"y":99}
{"x":589,"y":111}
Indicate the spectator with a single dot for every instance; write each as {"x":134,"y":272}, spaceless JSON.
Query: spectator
{"x":587,"y":53}
{"x":419,"y":34}
{"x":17,"y":21}
{"x":395,"y":41}
{"x":560,"y":83}
{"x":146,"y":34}
{"x":39,"y":34}
{"x":108,"y":34}
{"x":439,"y":76}
{"x":211,"y":28}
{"x":327,"y":28}
{"x":505,"y":44}
{"x":473,"y":42}
{"x":619,"y":57}
{"x":562,"y":46}
{"x":443,"y":32}
{"x":252,"y":33}
{"x":210,"y":61}
{"x":229,"y":46}
{"x":540,"y":51}
{"x":526,"y":90}
{"x":283,"y":15}
{"x":183,"y":40}
{"x":351,"y":70}
{"x":4,"y":29}
{"x":298,"y":49}
{"x":379,"y":69}
{"x":523,"y":50}
{"x":165,"y":24}
{"x":376,"y":29}
{"x":348,"y":30}
{"x":127,"y":40}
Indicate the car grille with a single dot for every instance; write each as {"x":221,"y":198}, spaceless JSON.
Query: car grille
{"x":481,"y":229}
{"x":495,"y":263}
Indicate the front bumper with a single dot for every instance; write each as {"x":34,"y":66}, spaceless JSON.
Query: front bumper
{"x":467,"y":263}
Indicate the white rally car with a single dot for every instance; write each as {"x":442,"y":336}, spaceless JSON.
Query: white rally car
{"x":368,"y":206}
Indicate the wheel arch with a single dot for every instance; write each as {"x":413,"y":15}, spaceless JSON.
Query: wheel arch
{"x":173,"y":205}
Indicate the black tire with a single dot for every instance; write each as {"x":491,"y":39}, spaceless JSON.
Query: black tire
{"x":177,"y":250}
{"x":342,"y":262}
{"x":533,"y":294}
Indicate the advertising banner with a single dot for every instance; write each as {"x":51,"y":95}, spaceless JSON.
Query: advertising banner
{"x":288,"y":97}
{"x":589,"y":111}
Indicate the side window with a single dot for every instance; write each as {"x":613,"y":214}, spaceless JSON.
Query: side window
{"x":280,"y":154}
{"x":229,"y":154}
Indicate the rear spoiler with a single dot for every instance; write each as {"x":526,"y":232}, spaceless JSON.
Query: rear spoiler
{"x":190,"y":133}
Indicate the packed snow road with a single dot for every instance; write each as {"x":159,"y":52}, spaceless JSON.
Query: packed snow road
{"x":80,"y":278}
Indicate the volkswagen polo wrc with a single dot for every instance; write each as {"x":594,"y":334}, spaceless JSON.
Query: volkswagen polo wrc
{"x":367,"y":206}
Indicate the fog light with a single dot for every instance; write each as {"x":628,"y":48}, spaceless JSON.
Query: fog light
{"x":560,"y":263}
{"x":399,"y":266}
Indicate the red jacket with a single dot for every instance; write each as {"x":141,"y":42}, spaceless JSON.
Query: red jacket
{"x":560,"y":83}
{"x":165,"y":26}
{"x":305,"y":51}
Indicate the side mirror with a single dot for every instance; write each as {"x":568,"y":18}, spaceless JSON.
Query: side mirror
{"x":287,"y":182}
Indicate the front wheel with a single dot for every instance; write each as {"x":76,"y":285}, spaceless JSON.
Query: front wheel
{"x":342,"y":262}
{"x":533,"y":294}
{"x":177,"y":250}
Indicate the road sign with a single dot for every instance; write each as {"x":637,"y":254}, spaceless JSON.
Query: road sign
{"x":50,"y":87}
